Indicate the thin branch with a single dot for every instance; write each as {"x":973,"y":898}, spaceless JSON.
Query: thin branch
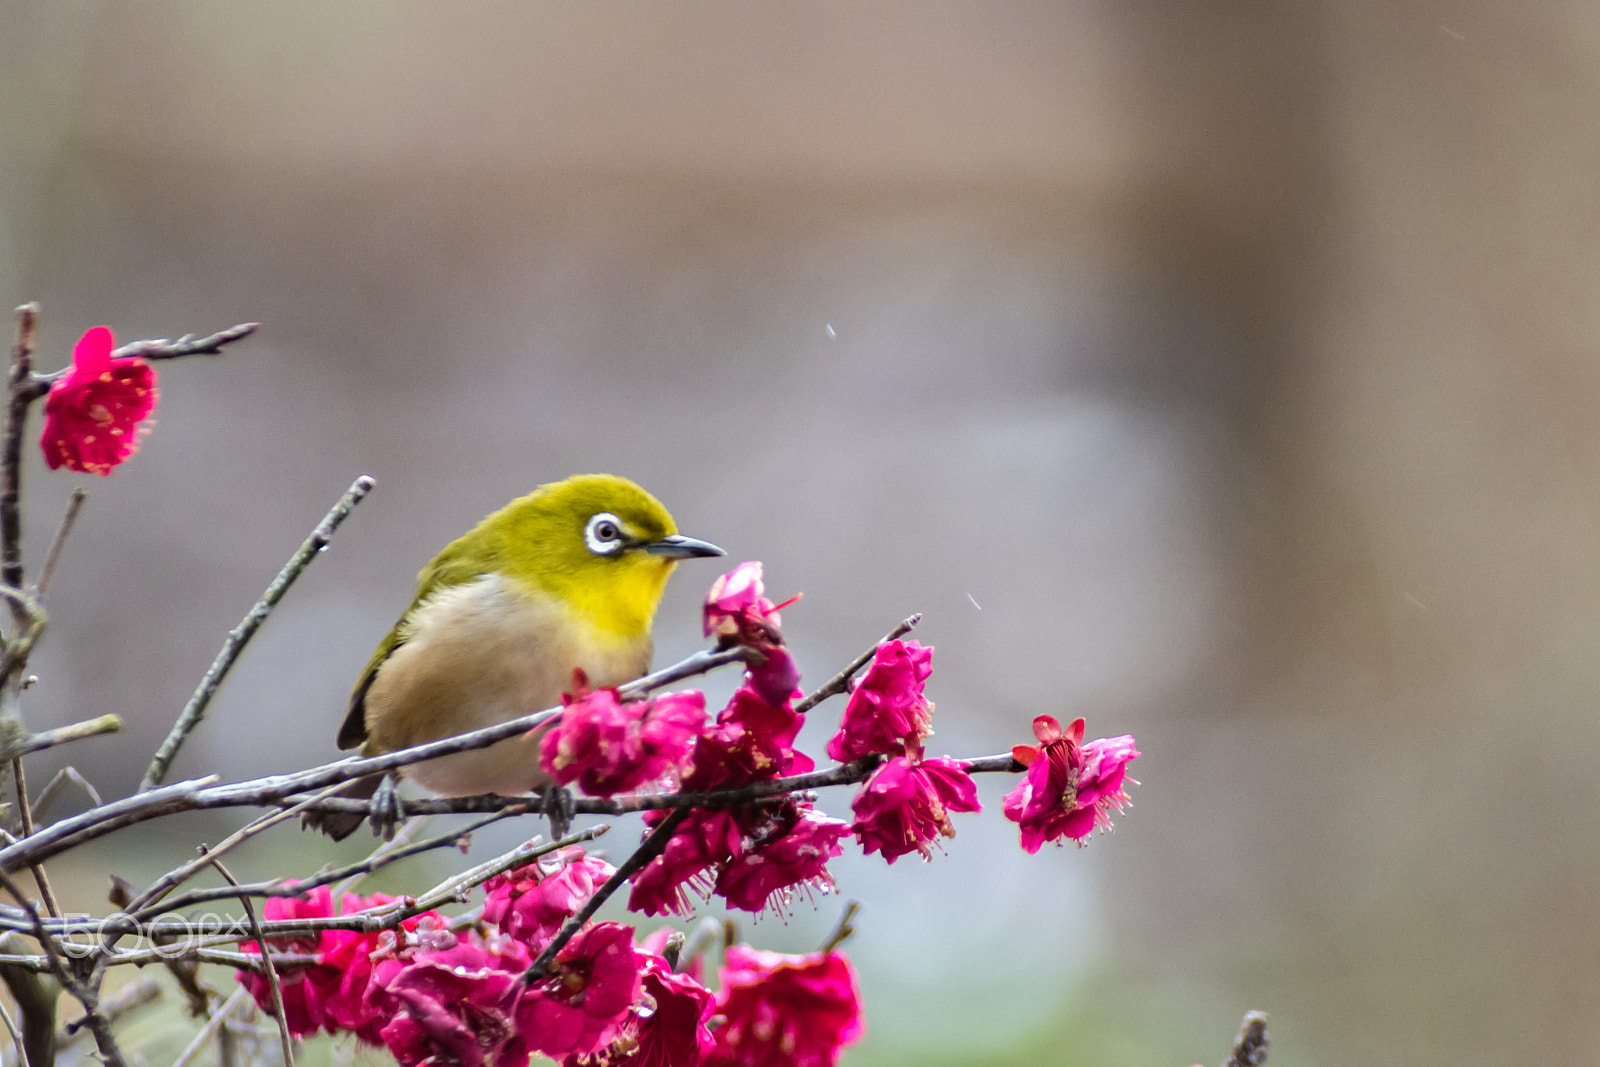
{"x":194,"y":795}
{"x":61,"y":735}
{"x":703,"y":933}
{"x":266,"y":961}
{"x":203,"y":935}
{"x":845,"y":928}
{"x":1250,"y":1047}
{"x":200,"y":793}
{"x":11,"y":449}
{"x":48,"y":794}
{"x":28,"y":622}
{"x":25,"y":814}
{"x":282,"y":888}
{"x":52,"y":557}
{"x":181,"y":953}
{"x":135,"y":994}
{"x":85,"y":993}
{"x":209,"y":1030}
{"x":689,"y":667}
{"x":456,"y":887}
{"x":188,"y":344}
{"x":840,"y":682}
{"x":16,"y":1035}
{"x":182,"y":873}
{"x":240,"y":635}
{"x":649,"y":850}
{"x":389,"y":851}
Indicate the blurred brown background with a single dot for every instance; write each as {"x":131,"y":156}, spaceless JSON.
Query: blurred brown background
{"x":1225,"y":373}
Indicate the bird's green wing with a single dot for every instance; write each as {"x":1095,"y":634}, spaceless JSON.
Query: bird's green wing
{"x":463,"y":560}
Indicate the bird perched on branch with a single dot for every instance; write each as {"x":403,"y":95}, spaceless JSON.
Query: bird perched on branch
{"x":566,"y":577}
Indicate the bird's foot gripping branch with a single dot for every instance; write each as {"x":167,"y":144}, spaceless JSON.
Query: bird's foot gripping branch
{"x":444,"y":976}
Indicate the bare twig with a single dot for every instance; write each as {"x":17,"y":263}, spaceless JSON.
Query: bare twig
{"x":200,"y":793}
{"x":689,"y":667}
{"x":16,"y":1035}
{"x":240,"y":635}
{"x":188,"y":344}
{"x":845,"y":928}
{"x":182,"y":953}
{"x":209,"y":1030}
{"x":704,"y":932}
{"x":349,"y":872}
{"x":390,"y":851}
{"x":840,"y":682}
{"x":11,"y":450}
{"x":85,"y":992}
{"x":647,"y":851}
{"x":53,"y":556}
{"x":266,"y":961}
{"x":48,"y":794}
{"x":194,"y":795}
{"x":182,"y":873}
{"x":25,"y":814}
{"x":135,"y":994}
{"x":204,"y":934}
{"x":105,"y":724}
{"x":456,"y":887}
{"x":1250,"y":1047}
{"x":28,"y":621}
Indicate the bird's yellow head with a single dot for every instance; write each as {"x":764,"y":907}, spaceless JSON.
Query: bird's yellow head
{"x":598,"y":545}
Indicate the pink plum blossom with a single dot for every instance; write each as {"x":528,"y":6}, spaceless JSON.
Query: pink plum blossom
{"x":584,"y":999}
{"x":887,"y":712}
{"x":530,"y":903}
{"x":737,"y":612}
{"x":905,"y":805}
{"x":785,"y":1011}
{"x":609,"y":747}
{"x":666,"y":1028}
{"x":792,"y":850}
{"x":454,"y":1007}
{"x":1071,"y":787}
{"x":92,"y":413}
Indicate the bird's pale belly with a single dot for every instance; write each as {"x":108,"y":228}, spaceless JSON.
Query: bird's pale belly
{"x":482,"y":654}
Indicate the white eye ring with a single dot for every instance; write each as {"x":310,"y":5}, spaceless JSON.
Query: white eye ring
{"x":603,"y":534}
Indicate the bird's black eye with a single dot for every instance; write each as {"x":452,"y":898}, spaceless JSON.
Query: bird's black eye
{"x":603,"y":534}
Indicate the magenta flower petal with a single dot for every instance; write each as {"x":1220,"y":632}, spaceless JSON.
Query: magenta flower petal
{"x":1069,"y":788}
{"x":771,"y":868}
{"x":904,"y":805}
{"x":608,"y":747}
{"x":887,"y":712}
{"x":582,"y":1003}
{"x":785,"y":1011}
{"x":92,"y":415}
{"x":531,"y":903}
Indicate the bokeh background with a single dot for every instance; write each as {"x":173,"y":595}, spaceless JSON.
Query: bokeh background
{"x":1224,"y":373}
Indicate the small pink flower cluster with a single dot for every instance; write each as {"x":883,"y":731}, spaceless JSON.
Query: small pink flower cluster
{"x":609,"y":747}
{"x":434,"y":996}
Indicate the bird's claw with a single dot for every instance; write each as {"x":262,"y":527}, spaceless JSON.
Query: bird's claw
{"x":385,"y":810}
{"x":559,"y":808}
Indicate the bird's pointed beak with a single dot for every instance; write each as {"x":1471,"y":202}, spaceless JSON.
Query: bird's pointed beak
{"x":678,"y":546}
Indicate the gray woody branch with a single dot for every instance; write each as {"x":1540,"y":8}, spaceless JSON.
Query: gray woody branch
{"x":240,"y":635}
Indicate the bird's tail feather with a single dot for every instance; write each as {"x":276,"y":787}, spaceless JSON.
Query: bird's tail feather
{"x":341,"y":824}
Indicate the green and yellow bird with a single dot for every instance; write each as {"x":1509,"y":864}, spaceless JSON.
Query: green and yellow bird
{"x":566,"y":577}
